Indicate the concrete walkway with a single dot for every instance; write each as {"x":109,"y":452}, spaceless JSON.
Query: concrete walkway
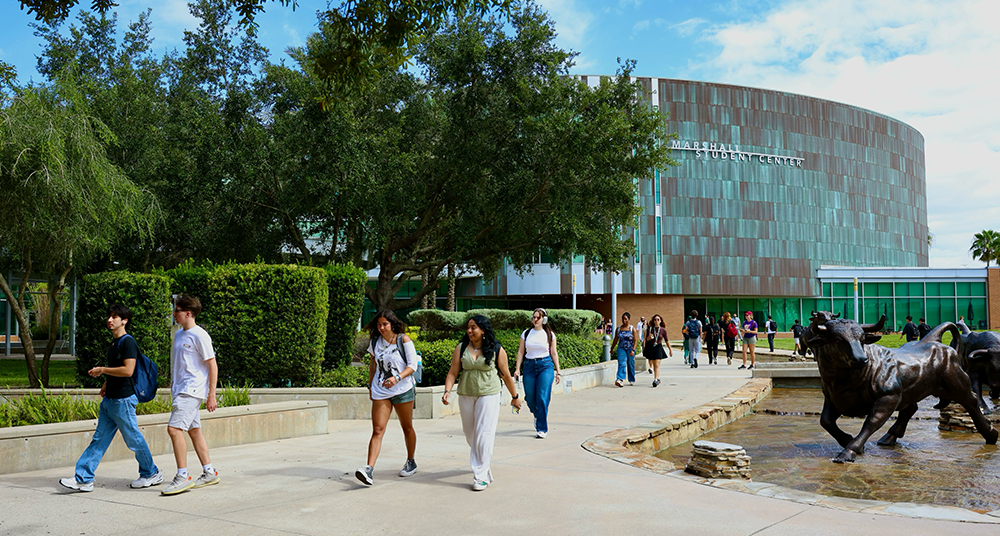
{"x":552,"y":486}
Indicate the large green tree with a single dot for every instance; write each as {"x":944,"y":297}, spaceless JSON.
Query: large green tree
{"x":986,"y":246}
{"x":492,"y":154}
{"x":63,"y":201}
{"x":371,"y":34}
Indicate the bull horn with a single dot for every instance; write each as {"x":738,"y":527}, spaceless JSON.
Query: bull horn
{"x":975,"y":354}
{"x":872,"y":328}
{"x":836,"y":316}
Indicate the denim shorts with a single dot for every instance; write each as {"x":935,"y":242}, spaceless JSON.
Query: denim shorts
{"x":408,"y":396}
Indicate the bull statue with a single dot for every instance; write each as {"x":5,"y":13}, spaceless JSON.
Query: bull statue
{"x":861,"y":379}
{"x":980,"y":353}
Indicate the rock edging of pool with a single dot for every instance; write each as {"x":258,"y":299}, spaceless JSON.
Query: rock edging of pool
{"x":636,"y":445}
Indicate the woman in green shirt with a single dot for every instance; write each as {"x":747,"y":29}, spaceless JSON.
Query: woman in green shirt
{"x":479,"y":357}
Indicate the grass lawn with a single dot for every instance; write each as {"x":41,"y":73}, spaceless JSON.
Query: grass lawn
{"x":14,"y":373}
{"x":889,"y":341}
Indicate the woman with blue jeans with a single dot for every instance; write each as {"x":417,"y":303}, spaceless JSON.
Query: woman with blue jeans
{"x":625,"y":339}
{"x":537,"y":351}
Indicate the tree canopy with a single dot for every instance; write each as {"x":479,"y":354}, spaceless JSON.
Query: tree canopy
{"x":64,"y":201}
{"x":986,"y":246}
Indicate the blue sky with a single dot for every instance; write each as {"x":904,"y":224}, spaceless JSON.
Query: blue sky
{"x":929,"y":63}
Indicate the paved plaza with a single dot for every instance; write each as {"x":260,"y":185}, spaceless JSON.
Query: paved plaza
{"x":553,"y":486}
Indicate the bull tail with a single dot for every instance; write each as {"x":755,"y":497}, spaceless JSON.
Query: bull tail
{"x":937,"y":333}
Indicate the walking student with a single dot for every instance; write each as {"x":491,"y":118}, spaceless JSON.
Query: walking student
{"x":483,"y":364}
{"x":692,"y":331}
{"x":117,"y":410}
{"x":730,"y":331}
{"x":772,"y":328}
{"x":625,"y":340}
{"x":391,"y":386}
{"x":909,"y":330}
{"x":749,"y":339}
{"x":537,"y":352}
{"x":797,"y":330}
{"x":195,"y":374}
{"x":652,"y":348}
{"x":712,"y":334}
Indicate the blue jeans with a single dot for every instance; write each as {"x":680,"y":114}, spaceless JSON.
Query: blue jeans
{"x":626,"y":360}
{"x":538,"y":377}
{"x":115,"y":414}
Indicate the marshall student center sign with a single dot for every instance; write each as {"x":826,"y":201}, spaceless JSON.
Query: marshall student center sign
{"x":722,"y":151}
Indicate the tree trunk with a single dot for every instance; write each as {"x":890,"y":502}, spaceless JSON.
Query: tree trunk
{"x":16,"y":305}
{"x":56,"y":286}
{"x":451,"y":287}
{"x":426,"y":299}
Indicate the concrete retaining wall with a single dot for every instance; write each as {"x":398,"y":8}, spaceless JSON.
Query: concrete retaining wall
{"x":632,"y":445}
{"x":353,"y":402}
{"x":30,"y":448}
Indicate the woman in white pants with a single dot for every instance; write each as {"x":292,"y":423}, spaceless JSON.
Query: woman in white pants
{"x":479,"y":357}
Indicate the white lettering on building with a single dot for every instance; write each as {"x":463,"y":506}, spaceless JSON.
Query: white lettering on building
{"x":724,"y":151}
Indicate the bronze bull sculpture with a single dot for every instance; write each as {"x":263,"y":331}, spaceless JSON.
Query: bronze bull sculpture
{"x":861,"y":379}
{"x":980,"y":353}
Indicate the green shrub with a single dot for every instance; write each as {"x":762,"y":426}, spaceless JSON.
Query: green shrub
{"x":270,"y":323}
{"x":344,"y":376}
{"x":159,"y":404}
{"x":436,"y":357}
{"x":45,"y":408}
{"x":443,"y":324}
{"x":147,"y":295}
{"x":347,"y":300}
{"x":235,"y":395}
{"x":434,"y":320}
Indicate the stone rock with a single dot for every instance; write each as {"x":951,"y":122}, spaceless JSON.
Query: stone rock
{"x":718,"y":460}
{"x":956,"y":419}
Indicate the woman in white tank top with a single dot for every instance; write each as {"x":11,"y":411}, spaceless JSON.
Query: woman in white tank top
{"x":537,"y":353}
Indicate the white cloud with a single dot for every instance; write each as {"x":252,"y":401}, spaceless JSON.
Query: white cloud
{"x":686,"y":28}
{"x":294,"y":39}
{"x":927,"y":63}
{"x":640,"y":26}
{"x":571,"y":21}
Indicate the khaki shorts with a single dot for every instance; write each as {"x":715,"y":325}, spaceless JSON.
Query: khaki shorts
{"x":184,"y":412}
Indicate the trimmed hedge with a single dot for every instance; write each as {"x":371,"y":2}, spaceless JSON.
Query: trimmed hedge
{"x":574,"y":351}
{"x":570,"y":321}
{"x":345,"y":376}
{"x":269,"y":323}
{"x":346,"y":302}
{"x":147,"y":295}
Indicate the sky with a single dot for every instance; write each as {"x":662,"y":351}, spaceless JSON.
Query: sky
{"x":929,"y":63}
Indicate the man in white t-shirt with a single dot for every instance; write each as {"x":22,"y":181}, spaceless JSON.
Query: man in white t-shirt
{"x":195,"y":373}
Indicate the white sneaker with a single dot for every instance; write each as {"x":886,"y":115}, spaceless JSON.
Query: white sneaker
{"x":539,"y":434}
{"x":180,"y":484}
{"x":480,"y":485}
{"x":151,"y":480}
{"x":71,"y":483}
{"x":207,"y":479}
{"x":409,"y":468}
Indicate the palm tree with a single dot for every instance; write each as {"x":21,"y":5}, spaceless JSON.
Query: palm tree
{"x":986,"y":246}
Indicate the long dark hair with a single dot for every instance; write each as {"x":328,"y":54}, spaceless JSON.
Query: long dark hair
{"x":491,"y":347}
{"x":398,"y":326}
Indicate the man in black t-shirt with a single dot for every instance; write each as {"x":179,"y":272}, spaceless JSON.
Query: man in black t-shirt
{"x":117,"y":410}
{"x":923,"y":329}
{"x":910,"y":330}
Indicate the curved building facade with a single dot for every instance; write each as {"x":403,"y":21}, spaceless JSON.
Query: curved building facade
{"x":773,"y":185}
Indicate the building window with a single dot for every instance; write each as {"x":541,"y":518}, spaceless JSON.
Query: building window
{"x":659,"y":242}
{"x":656,"y":185}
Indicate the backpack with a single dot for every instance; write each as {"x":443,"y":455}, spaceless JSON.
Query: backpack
{"x":731,"y":330}
{"x":694,"y":329}
{"x":418,"y":373}
{"x":144,"y":378}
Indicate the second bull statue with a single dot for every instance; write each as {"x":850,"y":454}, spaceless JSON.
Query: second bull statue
{"x":861,"y":379}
